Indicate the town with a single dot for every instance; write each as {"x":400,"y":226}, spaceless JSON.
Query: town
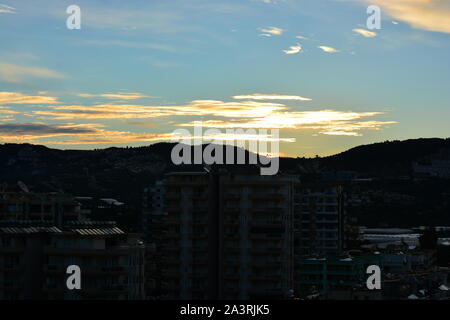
{"x":224,"y":232}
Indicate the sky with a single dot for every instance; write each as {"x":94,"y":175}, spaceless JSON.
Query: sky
{"x":138,"y":70}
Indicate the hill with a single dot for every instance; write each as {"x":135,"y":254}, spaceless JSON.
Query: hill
{"x":123,"y":173}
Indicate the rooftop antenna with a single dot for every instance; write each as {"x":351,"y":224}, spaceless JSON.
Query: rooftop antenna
{"x":23,"y":186}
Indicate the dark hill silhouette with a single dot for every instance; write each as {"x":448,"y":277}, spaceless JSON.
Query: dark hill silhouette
{"x":124,"y":172}
{"x":386,"y":155}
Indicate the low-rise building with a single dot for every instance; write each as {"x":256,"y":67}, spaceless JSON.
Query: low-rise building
{"x":34,"y":259}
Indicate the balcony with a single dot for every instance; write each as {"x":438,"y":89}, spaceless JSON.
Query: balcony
{"x":118,"y":251}
{"x":260,"y":236}
{"x":172,"y":196}
{"x":268,"y":196}
{"x":174,"y":260}
{"x":12,"y":249}
{"x":232,"y":196}
{"x":231,"y":222}
{"x":200,"y":249}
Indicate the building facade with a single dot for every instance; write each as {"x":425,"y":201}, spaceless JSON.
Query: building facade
{"x":34,"y":260}
{"x":228,"y":235}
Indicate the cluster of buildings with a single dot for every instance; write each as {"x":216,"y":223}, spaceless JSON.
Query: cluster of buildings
{"x":42,"y":234}
{"x":234,"y":234}
{"x":219,"y":233}
{"x":228,"y":233}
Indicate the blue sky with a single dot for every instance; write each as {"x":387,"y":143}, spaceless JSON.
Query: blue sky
{"x":138,"y":70}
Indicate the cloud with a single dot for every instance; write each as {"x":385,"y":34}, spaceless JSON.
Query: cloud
{"x":274,"y":31}
{"x":365,"y":33}
{"x":114,"y":137}
{"x":259,"y":96}
{"x":245,"y":109}
{"x":77,"y":134}
{"x":352,"y":128}
{"x":128,"y":44}
{"x":327,"y":122}
{"x":6,"y":9}
{"x":7,"y":110}
{"x":14,"y":73}
{"x":293,"y":49}
{"x":328,"y":49}
{"x":431,"y":15}
{"x":302,"y":37}
{"x":252,"y":114}
{"x":142,"y":124}
{"x":19,"y":98}
{"x":40,"y":130}
{"x":117,"y":96}
{"x":6,"y":114}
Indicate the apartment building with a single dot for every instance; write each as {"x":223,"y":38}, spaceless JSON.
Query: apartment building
{"x":34,"y":259}
{"x":228,"y":234}
{"x":319,"y":218}
{"x":41,"y":234}
{"x":152,"y":213}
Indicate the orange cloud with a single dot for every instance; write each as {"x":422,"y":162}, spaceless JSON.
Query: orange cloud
{"x":431,"y":15}
{"x":246,"y":109}
{"x":19,"y":98}
{"x":78,"y":133}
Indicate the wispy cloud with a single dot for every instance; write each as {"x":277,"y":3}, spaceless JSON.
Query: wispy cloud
{"x":328,"y":49}
{"x":128,"y":44}
{"x":14,"y":73}
{"x":365,"y":33}
{"x":6,"y":9}
{"x":259,"y":96}
{"x":327,"y":122}
{"x":116,"y":96}
{"x":20,"y":98}
{"x":82,"y":134}
{"x":198,"y":107}
{"x":272,"y":31}
{"x":74,"y":134}
{"x":293,"y":49}
{"x":6,"y":114}
{"x":40,"y":130}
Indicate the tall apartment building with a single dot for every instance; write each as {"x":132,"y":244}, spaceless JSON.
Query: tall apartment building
{"x":228,"y":234}
{"x":319,"y":217}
